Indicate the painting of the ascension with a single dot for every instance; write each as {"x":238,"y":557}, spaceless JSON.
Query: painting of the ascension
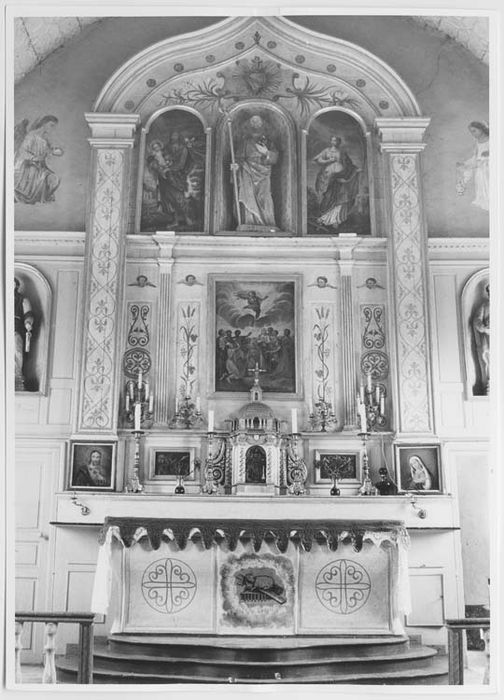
{"x":173,"y":191}
{"x":337,"y":179}
{"x":255,"y":325}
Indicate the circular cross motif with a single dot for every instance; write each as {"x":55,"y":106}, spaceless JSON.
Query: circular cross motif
{"x":343,"y":586}
{"x":168,"y":585}
{"x":375,"y":363}
{"x":135,"y":360}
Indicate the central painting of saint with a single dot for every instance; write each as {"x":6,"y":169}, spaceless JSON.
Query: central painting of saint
{"x":255,"y":326}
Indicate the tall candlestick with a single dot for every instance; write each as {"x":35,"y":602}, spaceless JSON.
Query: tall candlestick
{"x":176,"y":404}
{"x":127,"y":403}
{"x":151,"y":403}
{"x":210,"y":421}
{"x":138,"y":416}
{"x":361,"y":393}
{"x":382,"y":405}
{"x":377,"y":392}
{"x":139,"y":378}
{"x":369,"y":385}
{"x":146,"y":385}
{"x":294,"y":420}
{"x":310,"y":407}
{"x":131,"y":387}
{"x":198,"y":404}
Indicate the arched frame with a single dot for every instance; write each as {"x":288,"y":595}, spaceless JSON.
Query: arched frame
{"x":145,"y":129}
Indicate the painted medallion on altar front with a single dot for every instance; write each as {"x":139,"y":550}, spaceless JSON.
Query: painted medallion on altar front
{"x":169,"y":585}
{"x":257,"y":592}
{"x":343,"y":586}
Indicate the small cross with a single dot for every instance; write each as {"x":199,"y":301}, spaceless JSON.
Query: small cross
{"x":256,"y":371}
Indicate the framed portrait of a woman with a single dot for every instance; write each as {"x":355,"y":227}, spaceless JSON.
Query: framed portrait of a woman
{"x":418,"y":468}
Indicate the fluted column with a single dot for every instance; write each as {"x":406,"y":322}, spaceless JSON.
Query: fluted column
{"x":165,"y":242}
{"x":401,"y":142}
{"x":111,"y":143}
{"x":349,"y":377}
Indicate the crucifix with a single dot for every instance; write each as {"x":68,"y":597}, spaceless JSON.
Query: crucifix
{"x":256,"y":372}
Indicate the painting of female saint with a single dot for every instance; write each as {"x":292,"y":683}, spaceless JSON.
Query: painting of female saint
{"x":34,"y":181}
{"x":337,"y":181}
{"x":476,"y":168}
{"x":173,"y":192}
{"x":255,"y":324}
{"x":418,"y":467}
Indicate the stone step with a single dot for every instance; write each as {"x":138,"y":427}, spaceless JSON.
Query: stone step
{"x":436,"y":674}
{"x":178,"y":668}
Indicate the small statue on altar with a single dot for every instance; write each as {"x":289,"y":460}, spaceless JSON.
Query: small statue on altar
{"x":23,"y":327}
{"x":385,"y":486}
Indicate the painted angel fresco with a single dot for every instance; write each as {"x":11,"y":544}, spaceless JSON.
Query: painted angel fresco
{"x":255,"y":325}
{"x":34,"y":181}
{"x":476,"y":168}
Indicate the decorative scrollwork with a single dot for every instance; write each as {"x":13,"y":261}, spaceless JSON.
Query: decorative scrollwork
{"x":138,"y":333}
{"x":343,"y":586}
{"x":168,"y":585}
{"x":373,"y":335}
{"x":376,"y":364}
{"x":136,"y":360}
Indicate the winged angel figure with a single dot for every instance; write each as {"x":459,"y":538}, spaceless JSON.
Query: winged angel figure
{"x":247,"y":307}
{"x":34,"y":181}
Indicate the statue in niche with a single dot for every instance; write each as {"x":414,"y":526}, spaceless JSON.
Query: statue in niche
{"x":480,"y":325}
{"x":337,"y":183}
{"x":476,"y":167}
{"x":34,"y":181}
{"x":23,"y":326}
{"x":255,"y":465}
{"x":256,"y":154}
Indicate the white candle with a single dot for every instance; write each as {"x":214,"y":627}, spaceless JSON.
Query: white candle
{"x":294,"y":420}
{"x":127,"y":402}
{"x":382,"y":405}
{"x":146,"y":391}
{"x":198,"y":405}
{"x":139,"y":378}
{"x":377,"y":393}
{"x":151,"y":403}
{"x":210,"y":421}
{"x":310,"y":407}
{"x":138,"y":409}
{"x":131,"y":387}
{"x":362,"y":416}
{"x":369,"y":386}
{"x":361,"y":391}
{"x":176,"y":404}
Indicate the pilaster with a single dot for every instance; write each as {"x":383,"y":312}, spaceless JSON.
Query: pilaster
{"x":349,"y":377}
{"x":112,"y":139}
{"x":401,"y":141}
{"x":166,"y":243}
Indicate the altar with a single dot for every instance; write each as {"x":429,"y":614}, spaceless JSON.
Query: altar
{"x":253,"y":577}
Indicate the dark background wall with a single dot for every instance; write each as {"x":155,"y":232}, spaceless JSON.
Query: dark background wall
{"x":451,"y":86}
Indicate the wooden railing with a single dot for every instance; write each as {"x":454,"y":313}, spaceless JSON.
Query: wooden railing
{"x":52,"y":620}
{"x":456,"y":646}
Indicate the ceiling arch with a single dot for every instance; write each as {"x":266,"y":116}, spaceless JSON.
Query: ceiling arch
{"x":36,"y":38}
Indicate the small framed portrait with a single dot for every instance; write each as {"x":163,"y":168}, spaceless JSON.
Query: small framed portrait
{"x":92,"y":466}
{"x":344,"y":466}
{"x":418,"y":467}
{"x":169,"y":464}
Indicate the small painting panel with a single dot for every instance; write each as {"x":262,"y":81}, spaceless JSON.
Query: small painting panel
{"x":344,"y":466}
{"x":92,"y":466}
{"x":173,"y":192}
{"x":255,"y":324}
{"x":169,"y":464}
{"x":337,"y":177}
{"x":418,"y":467}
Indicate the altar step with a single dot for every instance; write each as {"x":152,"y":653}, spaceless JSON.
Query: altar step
{"x":200,"y":659}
